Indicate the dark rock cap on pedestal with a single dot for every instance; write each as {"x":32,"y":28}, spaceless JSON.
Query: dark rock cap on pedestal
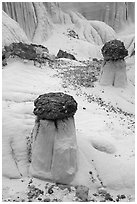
{"x":114,"y":50}
{"x":54,"y":106}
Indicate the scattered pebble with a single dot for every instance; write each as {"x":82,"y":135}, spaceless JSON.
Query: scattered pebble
{"x":82,"y":192}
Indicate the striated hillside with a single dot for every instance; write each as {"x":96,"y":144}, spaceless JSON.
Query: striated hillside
{"x":11,"y":31}
{"x":38,"y":21}
{"x":115,"y":14}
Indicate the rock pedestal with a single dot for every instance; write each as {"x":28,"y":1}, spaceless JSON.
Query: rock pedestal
{"x":113,"y":70}
{"x":54,"y":150}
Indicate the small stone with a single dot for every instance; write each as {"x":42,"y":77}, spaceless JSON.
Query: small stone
{"x":50,"y":191}
{"x":82,"y":192}
{"x":62,"y":187}
{"x":23,"y":200}
{"x":64,"y":54}
{"x":102,"y":191}
{"x":55,"y":200}
{"x":93,"y":200}
{"x":95,"y":194}
{"x":123,"y":196}
{"x":108,"y":197}
{"x":73,"y":188}
{"x":46,"y":200}
{"x":32,"y":186}
{"x":117,"y":199}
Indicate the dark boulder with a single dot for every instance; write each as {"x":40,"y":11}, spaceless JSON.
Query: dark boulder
{"x":37,"y":53}
{"x":64,"y":54}
{"x":22,"y":50}
{"x":54,"y":106}
{"x":114,"y":50}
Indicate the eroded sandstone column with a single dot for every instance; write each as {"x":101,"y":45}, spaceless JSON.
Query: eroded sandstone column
{"x":54,"y":150}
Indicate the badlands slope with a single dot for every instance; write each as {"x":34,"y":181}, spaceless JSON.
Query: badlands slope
{"x":104,"y":122}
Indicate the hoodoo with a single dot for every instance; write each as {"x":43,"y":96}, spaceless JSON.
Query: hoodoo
{"x":54,"y":149}
{"x":114,"y":66}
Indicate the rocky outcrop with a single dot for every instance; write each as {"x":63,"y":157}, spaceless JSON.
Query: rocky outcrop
{"x":34,"y":52}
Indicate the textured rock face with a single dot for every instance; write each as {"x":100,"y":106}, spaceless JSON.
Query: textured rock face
{"x":54,"y":106}
{"x":114,"y":50}
{"x":24,"y":14}
{"x":11,"y":31}
{"x":32,"y":18}
{"x":38,"y":20}
{"x":25,"y":51}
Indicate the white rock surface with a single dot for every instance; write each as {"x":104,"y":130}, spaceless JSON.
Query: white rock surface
{"x":11,"y":31}
{"x":43,"y":16}
{"x":54,"y":152}
{"x":114,"y":74}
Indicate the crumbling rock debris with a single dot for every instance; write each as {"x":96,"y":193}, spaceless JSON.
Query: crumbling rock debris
{"x":54,"y":106}
{"x":64,"y":54}
{"x":33,"y":192}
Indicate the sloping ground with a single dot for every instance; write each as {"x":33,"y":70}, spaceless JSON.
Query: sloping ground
{"x":81,"y":49}
{"x":105,"y":133}
{"x":11,"y":31}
